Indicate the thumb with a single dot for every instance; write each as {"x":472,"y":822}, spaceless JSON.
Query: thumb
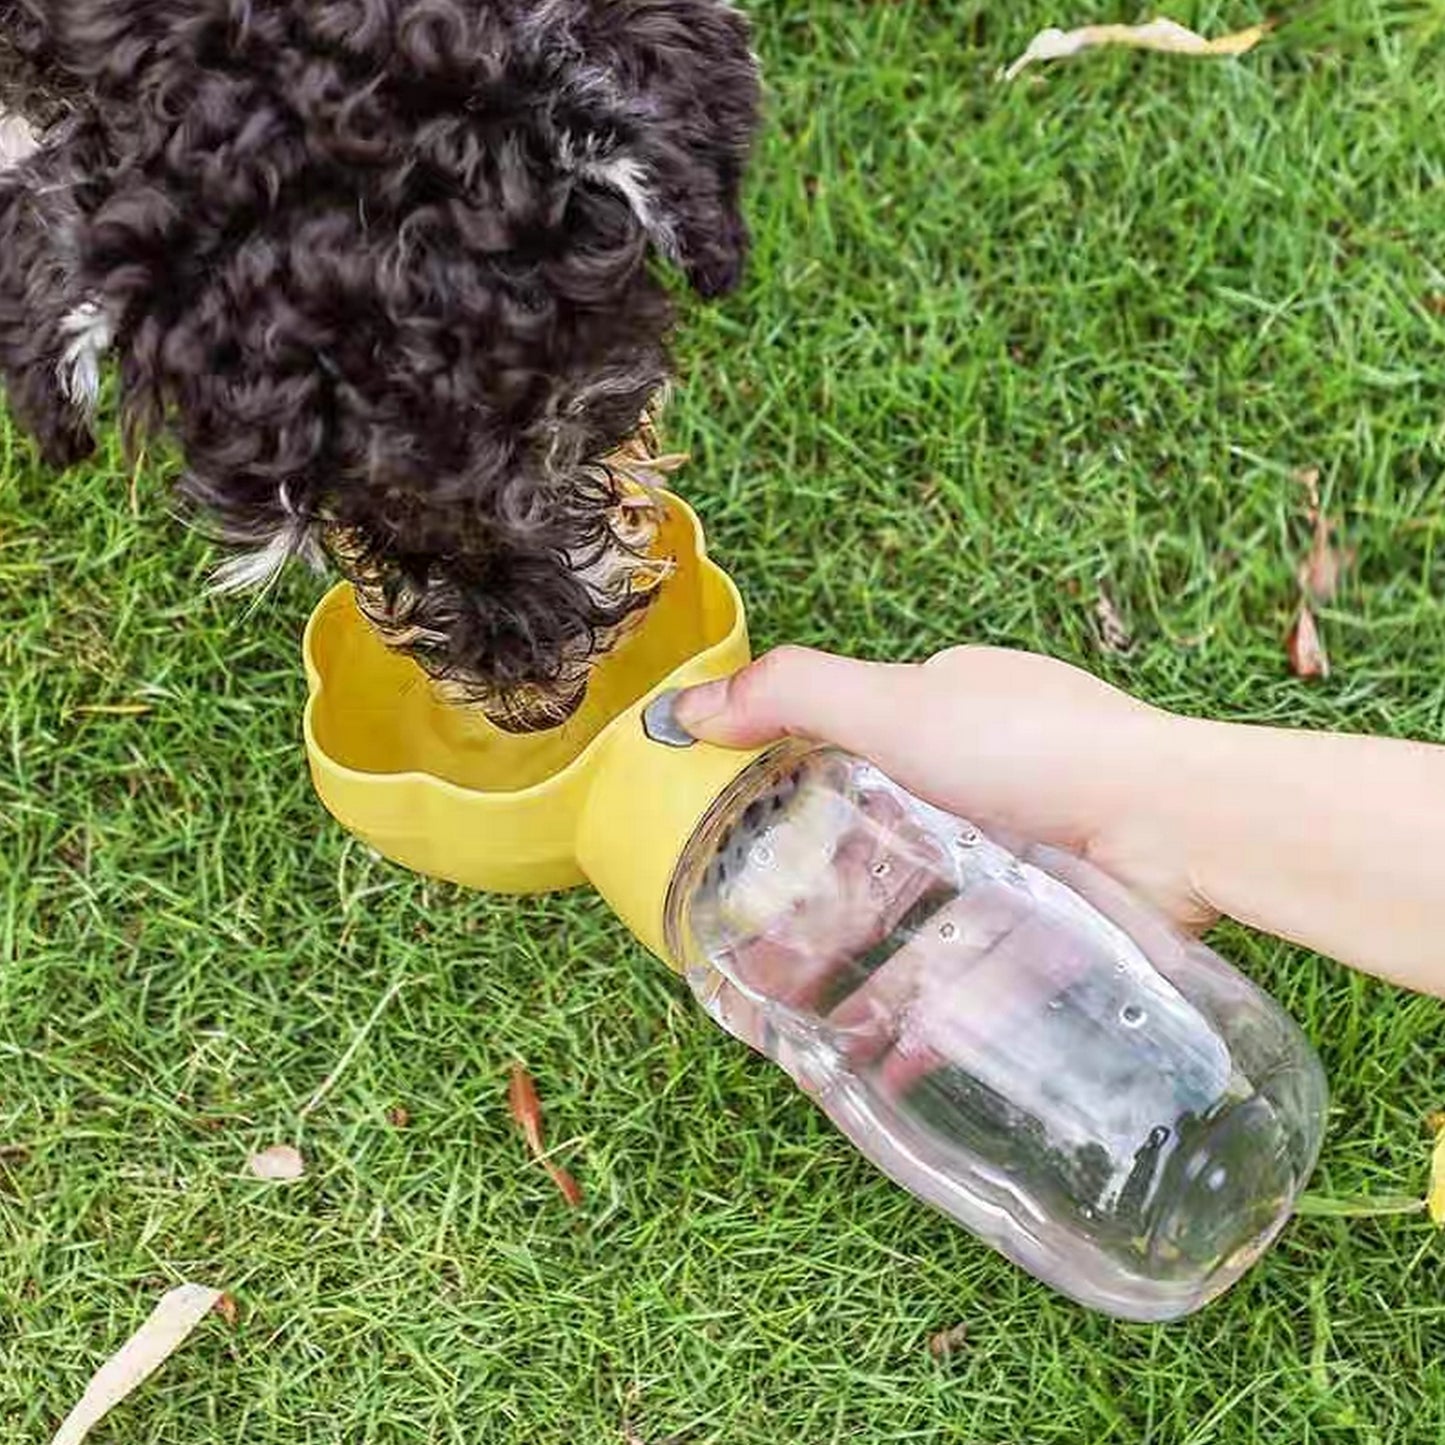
{"x":798,"y":692}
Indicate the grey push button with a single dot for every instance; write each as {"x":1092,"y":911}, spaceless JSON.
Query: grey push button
{"x":659,"y":722}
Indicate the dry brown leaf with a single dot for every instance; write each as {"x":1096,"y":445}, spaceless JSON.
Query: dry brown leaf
{"x":1319,"y":572}
{"x":1307,"y":655}
{"x":631,"y":1435}
{"x":1309,"y":479}
{"x":948,"y":1342}
{"x":226,"y":1308}
{"x":526,"y":1109}
{"x":569,"y":1187}
{"x":169,"y":1326}
{"x":280,"y":1162}
{"x":1165,"y":36}
{"x":1435,"y":303}
{"x":1114,"y":636}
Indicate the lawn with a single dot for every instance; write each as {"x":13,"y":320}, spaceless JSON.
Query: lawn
{"x":1002,"y":346}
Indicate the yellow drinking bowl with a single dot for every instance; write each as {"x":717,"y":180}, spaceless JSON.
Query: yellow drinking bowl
{"x":439,"y":789}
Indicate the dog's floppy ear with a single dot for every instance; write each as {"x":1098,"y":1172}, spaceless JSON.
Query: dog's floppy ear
{"x":678,"y":87}
{"x":51,"y":338}
{"x":700,"y":222}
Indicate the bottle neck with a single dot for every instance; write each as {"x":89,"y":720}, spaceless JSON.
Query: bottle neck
{"x":644,"y":808}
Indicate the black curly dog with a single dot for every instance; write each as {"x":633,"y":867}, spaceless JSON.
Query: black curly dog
{"x":385,"y":268}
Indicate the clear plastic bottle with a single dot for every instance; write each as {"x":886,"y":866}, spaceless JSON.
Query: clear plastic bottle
{"x":1007,"y":1034}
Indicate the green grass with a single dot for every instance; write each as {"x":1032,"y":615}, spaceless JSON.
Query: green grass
{"x":1000,"y":346}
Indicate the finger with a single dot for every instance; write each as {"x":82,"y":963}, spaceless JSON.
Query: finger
{"x":797,"y":692}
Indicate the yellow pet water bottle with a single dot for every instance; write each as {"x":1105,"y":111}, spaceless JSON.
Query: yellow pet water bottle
{"x":1005,"y":1032}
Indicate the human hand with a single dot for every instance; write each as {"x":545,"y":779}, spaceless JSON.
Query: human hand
{"x":1031,"y":749}
{"x":912,"y":976}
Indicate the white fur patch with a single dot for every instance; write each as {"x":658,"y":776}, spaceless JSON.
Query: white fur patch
{"x":624,"y":174}
{"x":253,"y":571}
{"x":90,"y":335}
{"x":256,"y":570}
{"x":18,"y":140}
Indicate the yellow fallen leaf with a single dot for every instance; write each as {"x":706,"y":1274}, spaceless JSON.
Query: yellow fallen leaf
{"x":1166,"y":36}
{"x":167,"y":1329}
{"x":1435,"y":1200}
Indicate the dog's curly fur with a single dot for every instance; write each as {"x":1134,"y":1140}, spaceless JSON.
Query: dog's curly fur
{"x":384,"y":267}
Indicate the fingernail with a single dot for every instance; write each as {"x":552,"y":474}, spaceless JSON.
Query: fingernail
{"x":699,"y":704}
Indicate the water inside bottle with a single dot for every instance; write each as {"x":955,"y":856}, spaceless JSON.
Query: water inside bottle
{"x":994,"y":1040}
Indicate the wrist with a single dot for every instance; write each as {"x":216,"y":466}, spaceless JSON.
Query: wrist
{"x":1155,"y":831}
{"x":1210,"y":783}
